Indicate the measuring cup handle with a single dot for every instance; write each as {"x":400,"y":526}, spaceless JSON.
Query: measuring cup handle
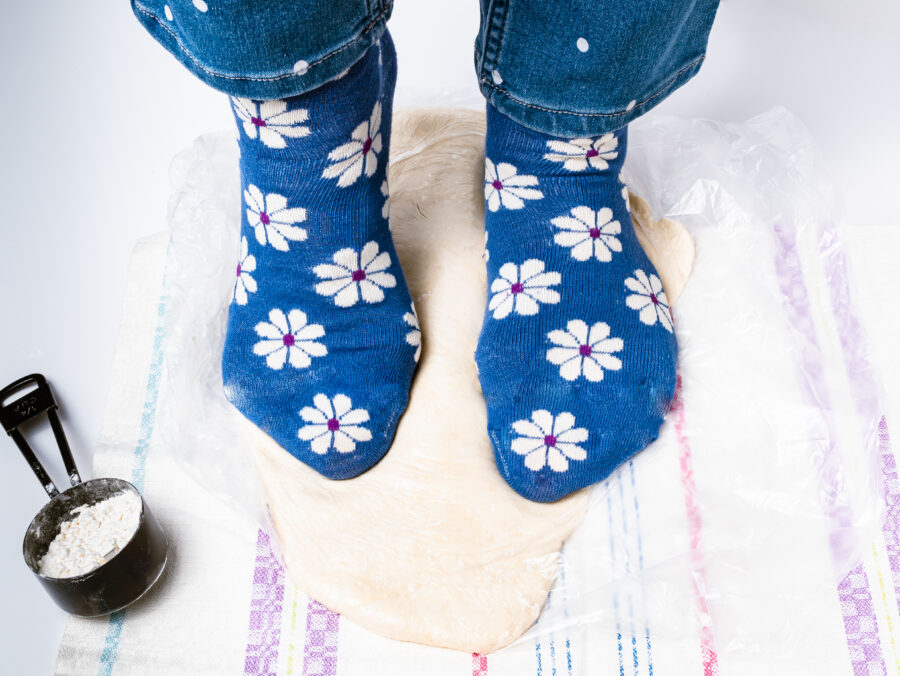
{"x":31,"y":404}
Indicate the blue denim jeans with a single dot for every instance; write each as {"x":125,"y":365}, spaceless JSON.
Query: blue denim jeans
{"x":575,"y":68}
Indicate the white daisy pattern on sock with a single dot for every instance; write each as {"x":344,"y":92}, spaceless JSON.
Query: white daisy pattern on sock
{"x":414,"y":337}
{"x":649,"y":299}
{"x":354,"y":274}
{"x":582,"y":351}
{"x":588,"y":233}
{"x":504,"y":187}
{"x":243,"y":282}
{"x":625,"y":192}
{"x":333,"y":424}
{"x":289,"y":339}
{"x":359,"y":154}
{"x":271,"y":220}
{"x":547,"y":440}
{"x":271,"y":121}
{"x":521,"y":289}
{"x":581,"y":153}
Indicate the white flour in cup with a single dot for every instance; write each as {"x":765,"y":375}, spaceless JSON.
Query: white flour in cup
{"x":96,"y":534}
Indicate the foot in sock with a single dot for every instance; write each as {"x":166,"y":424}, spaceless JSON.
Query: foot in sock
{"x":316,"y":352}
{"x":577,"y":353}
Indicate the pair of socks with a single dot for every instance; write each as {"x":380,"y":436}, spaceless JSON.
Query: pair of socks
{"x":577,"y":352}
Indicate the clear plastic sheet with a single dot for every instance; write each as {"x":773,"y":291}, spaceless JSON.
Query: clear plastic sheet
{"x":723,"y":543}
{"x":733,"y":531}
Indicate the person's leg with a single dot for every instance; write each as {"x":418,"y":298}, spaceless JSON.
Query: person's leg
{"x":577,"y":354}
{"x":315,"y":351}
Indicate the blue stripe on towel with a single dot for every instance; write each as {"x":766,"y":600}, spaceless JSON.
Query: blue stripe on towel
{"x":565,"y":591}
{"x":637,"y":519}
{"x":627,"y":559}
{"x":110,"y":652}
{"x":612,"y":556}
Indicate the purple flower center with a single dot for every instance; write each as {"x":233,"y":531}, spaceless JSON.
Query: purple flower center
{"x":593,"y":152}
{"x":654,"y":299}
{"x":550,"y":440}
{"x":497,"y":185}
{"x":367,"y":145}
{"x":288,"y":339}
{"x":585,"y":350}
{"x":258,"y":122}
{"x":517,"y":288}
{"x":359,"y":275}
{"x":595,"y":233}
{"x":334,"y":425}
{"x":264,"y":217}
{"x":239,"y":270}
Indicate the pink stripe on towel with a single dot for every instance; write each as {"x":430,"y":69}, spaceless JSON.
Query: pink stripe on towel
{"x":695,"y":529}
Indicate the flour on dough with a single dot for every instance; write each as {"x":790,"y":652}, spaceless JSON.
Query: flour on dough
{"x":431,"y":545}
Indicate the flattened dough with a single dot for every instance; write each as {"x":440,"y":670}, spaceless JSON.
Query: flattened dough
{"x":431,"y":545}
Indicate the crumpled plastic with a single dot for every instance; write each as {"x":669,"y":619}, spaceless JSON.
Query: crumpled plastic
{"x":722,"y":542}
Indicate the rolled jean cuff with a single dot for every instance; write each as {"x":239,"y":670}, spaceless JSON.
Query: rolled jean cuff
{"x":587,"y":67}
{"x":571,"y":124}
{"x":265,"y":50}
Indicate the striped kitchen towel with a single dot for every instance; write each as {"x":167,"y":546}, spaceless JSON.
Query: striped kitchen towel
{"x":724,"y":548}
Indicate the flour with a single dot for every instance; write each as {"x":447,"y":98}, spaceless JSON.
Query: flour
{"x":95,"y":535}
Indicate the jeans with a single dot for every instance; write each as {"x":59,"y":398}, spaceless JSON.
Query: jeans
{"x":570,"y":69}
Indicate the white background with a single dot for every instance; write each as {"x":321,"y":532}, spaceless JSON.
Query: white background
{"x":93,"y":111}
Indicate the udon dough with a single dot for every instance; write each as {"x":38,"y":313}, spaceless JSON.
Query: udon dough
{"x":431,"y":545}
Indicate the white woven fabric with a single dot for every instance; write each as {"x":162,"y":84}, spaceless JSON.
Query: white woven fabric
{"x":714,"y":551}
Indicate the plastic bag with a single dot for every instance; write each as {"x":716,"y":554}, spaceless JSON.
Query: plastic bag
{"x":772,"y":443}
{"x":723,"y":542}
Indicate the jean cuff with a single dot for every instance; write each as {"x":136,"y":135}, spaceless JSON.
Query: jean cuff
{"x":296,"y":77}
{"x":571,"y":124}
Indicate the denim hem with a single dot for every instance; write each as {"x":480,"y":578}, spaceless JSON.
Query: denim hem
{"x":318,"y":72}
{"x":491,"y":35}
{"x":571,"y":124}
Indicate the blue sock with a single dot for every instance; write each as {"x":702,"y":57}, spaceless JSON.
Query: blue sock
{"x":317,"y":352}
{"x":577,"y":353}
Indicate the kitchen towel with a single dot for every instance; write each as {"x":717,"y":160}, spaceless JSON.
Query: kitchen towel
{"x":723,"y":548}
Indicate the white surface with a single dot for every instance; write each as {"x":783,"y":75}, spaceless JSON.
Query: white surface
{"x":94,"y":110}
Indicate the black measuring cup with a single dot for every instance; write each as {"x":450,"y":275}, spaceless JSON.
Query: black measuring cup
{"x":126,"y":576}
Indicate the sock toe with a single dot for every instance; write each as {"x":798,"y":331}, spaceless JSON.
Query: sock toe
{"x":542,"y":454}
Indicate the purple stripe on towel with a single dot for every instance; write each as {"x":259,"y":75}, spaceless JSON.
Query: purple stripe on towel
{"x":891,"y":527}
{"x":860,"y":623}
{"x":865,"y":390}
{"x":320,"y":650}
{"x":266,"y":604}
{"x":793,"y":286}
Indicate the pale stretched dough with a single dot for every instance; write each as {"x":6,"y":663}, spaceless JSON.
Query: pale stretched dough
{"x":431,"y":545}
